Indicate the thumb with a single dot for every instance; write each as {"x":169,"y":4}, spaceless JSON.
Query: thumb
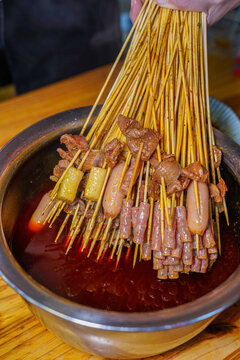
{"x":136,"y":6}
{"x":190,"y":5}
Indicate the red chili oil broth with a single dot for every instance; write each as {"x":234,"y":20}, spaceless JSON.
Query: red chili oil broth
{"x":100,"y":285}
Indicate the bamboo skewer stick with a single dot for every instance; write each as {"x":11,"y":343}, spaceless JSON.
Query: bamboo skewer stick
{"x":161,"y":84}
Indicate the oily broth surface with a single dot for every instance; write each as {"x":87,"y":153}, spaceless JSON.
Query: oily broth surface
{"x":83,"y":280}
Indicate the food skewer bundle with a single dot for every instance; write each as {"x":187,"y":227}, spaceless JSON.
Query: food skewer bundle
{"x":146,"y":175}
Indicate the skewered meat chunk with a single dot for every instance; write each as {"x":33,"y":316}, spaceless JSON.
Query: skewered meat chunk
{"x":170,"y":232}
{"x":213,"y":257}
{"x":158,"y":254}
{"x":196,"y":265}
{"x":197,"y":243}
{"x":146,"y":252}
{"x":140,"y":219}
{"x":59,"y":168}
{"x":217,"y":154}
{"x":157,"y":264}
{"x":215,"y":193}
{"x":170,"y":261}
{"x":142,"y":191}
{"x":204,"y":266}
{"x":202,"y":254}
{"x":164,"y":156}
{"x":95,"y":158}
{"x":222,"y":187}
{"x":208,"y":238}
{"x":134,"y":216}
{"x":153,"y":190}
{"x":126,"y":220}
{"x":197,"y":223}
{"x":182,"y":226}
{"x":74,"y":142}
{"x":154,"y":161}
{"x":165,"y":250}
{"x":112,"y":151}
{"x":126,"y":124}
{"x":128,"y":176}
{"x":71,"y":208}
{"x":178,"y":186}
{"x":195,"y":171}
{"x":156,"y":238}
{"x":169,"y":169}
{"x":177,"y":252}
{"x":172,"y":274}
{"x":212,"y":250}
{"x":179,"y":267}
{"x":187,"y":254}
{"x":68,"y":155}
{"x":163,"y":273}
{"x":136,"y":135}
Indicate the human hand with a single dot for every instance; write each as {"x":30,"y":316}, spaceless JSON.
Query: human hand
{"x":215,"y":9}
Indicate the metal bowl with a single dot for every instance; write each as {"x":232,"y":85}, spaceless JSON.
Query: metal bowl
{"x":25,"y":163}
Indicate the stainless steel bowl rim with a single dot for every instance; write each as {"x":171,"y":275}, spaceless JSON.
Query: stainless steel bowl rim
{"x":30,"y":140}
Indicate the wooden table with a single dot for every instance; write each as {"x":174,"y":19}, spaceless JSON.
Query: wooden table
{"x":22,"y":337}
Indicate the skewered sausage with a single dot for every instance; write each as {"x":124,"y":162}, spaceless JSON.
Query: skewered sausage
{"x":36,"y":222}
{"x":113,"y":198}
{"x":197,"y":223}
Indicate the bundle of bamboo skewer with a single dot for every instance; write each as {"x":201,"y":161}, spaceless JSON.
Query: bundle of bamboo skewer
{"x":163,"y":85}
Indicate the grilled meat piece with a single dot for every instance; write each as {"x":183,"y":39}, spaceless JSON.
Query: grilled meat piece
{"x":68,"y":155}
{"x":136,"y":135}
{"x":195,"y":171}
{"x":222,"y":187}
{"x":74,"y":142}
{"x":215,"y":193}
{"x":112,"y":151}
{"x":59,"y":168}
{"x":71,"y":208}
{"x":178,"y":186}
{"x":169,"y":169}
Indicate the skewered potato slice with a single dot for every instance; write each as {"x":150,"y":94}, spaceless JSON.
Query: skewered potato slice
{"x":95,"y":183}
{"x":68,"y":188}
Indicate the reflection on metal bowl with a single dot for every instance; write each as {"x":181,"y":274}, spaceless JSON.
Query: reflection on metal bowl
{"x":25,"y":162}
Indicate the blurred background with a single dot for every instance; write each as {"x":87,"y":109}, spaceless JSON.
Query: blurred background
{"x":223,"y":42}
